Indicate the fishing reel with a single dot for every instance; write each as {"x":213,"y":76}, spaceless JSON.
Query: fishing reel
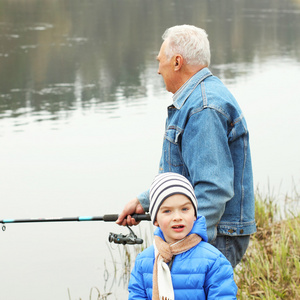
{"x":120,"y":238}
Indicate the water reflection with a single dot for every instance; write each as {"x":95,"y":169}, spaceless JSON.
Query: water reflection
{"x":78,"y":95}
{"x":55,"y":54}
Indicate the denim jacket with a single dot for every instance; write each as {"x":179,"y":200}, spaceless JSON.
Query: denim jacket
{"x":207,"y":140}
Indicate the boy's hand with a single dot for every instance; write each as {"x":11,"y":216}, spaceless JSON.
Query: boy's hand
{"x":132,"y":207}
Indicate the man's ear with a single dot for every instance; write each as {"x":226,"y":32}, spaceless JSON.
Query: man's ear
{"x":156,"y":223}
{"x":178,"y":61}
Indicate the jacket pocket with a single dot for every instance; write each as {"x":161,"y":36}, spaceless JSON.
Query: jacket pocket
{"x":172,"y":149}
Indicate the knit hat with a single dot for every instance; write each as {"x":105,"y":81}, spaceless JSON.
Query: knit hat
{"x":166,"y":185}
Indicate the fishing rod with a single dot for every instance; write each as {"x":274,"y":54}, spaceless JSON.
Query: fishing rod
{"x":130,"y":238}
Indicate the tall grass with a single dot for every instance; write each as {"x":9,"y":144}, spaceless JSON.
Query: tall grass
{"x":271,"y":267}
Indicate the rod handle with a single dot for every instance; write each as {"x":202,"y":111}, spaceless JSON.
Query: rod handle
{"x":141,"y":217}
{"x":110,"y":218}
{"x":137,"y":217}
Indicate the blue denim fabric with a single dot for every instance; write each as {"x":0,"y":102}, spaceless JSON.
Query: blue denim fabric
{"x":232,"y":247}
{"x":207,"y":141}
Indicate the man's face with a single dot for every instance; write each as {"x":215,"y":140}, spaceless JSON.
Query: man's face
{"x":166,"y":69}
{"x":175,"y":218}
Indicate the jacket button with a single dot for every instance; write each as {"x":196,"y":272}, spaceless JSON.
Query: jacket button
{"x":242,"y":231}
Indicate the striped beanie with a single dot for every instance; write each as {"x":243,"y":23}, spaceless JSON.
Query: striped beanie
{"x":166,"y":185}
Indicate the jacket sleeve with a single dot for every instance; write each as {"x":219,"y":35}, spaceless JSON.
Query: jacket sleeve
{"x":206,"y":153}
{"x":219,"y":282}
{"x":144,"y":200}
{"x":136,"y":287}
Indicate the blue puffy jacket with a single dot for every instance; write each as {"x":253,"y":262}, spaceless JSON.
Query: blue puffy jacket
{"x":199,"y":273}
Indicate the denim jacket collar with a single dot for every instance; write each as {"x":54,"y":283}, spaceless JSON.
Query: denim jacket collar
{"x":184,"y":92}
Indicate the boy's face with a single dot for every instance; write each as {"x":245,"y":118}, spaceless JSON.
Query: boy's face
{"x":175,"y":218}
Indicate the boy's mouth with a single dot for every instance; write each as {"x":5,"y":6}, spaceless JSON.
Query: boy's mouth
{"x":178,"y":227}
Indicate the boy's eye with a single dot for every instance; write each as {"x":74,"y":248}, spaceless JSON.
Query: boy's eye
{"x":166,"y":211}
{"x":185,"y":209}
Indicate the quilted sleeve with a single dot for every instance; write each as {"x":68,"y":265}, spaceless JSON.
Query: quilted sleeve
{"x":136,"y":287}
{"x":219,"y":283}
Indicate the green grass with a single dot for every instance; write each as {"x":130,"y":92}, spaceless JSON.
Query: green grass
{"x":271,"y":267}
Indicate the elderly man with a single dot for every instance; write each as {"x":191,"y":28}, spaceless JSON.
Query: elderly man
{"x":206,"y":140}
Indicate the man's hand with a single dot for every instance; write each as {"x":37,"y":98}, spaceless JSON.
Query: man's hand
{"x":132,"y":207}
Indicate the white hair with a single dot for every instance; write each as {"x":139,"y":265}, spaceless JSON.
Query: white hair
{"x":189,"y":41}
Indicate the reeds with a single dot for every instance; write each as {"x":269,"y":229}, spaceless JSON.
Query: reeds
{"x":271,"y":267}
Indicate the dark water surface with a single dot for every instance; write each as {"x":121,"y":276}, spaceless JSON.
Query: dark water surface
{"x":82,"y":113}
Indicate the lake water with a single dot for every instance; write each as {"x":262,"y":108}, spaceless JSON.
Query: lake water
{"x":82,"y":113}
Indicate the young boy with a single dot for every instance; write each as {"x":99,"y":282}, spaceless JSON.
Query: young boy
{"x":180,"y":264}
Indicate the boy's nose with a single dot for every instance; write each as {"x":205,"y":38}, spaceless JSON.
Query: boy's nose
{"x":177,"y":215}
